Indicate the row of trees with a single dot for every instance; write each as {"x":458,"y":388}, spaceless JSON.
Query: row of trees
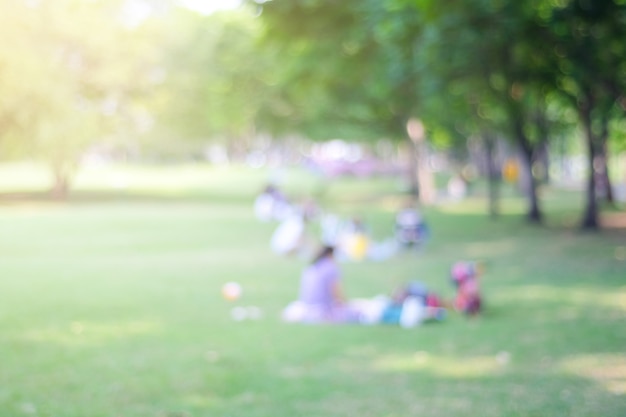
{"x":151,"y":74}
{"x":128,"y":76}
{"x":529,"y":72}
{"x":72,"y":73}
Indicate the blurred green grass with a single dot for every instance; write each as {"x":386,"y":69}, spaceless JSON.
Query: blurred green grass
{"x":111,"y":305}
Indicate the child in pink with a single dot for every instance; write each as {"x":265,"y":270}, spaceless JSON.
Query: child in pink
{"x":465,"y":277}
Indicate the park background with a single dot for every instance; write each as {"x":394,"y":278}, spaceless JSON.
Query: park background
{"x":136,"y":134}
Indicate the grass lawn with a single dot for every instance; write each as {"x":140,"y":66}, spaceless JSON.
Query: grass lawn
{"x":111,"y":306}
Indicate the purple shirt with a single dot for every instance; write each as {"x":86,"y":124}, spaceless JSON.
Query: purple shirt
{"x":317,"y":282}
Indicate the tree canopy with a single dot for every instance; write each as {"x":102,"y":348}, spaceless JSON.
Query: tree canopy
{"x":151,"y":73}
{"x":483,"y":68}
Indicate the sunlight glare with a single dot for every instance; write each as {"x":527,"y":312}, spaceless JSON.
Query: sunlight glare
{"x":609,"y":370}
{"x":446,"y":366}
{"x":210,"y":6}
{"x":91,"y":333}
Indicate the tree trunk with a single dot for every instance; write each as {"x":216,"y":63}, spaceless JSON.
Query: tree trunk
{"x":412,"y":168}
{"x":609,"y":198}
{"x":541,"y":153}
{"x":60,"y":189}
{"x":590,"y":216}
{"x":608,"y":192}
{"x":492,"y":177}
{"x":425,"y":179}
{"x":62,"y":175}
{"x":534,"y":213}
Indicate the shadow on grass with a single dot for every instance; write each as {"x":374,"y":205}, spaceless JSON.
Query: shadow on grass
{"x":422,"y":384}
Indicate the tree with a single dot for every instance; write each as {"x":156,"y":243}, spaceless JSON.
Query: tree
{"x":214,"y":77}
{"x":368,"y":83}
{"x":75,"y":83}
{"x":589,"y":41}
{"x":488,"y":68}
{"x":483,"y":54}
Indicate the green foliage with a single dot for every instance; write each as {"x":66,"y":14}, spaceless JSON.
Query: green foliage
{"x":74,"y":73}
{"x":69,"y":79}
{"x":365,"y":83}
{"x":215,"y":77}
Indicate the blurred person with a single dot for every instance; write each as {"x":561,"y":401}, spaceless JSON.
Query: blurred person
{"x":330,"y":225}
{"x":412,"y":304}
{"x":321,"y":296}
{"x":271,"y":204}
{"x":354,"y":240}
{"x":457,"y":187}
{"x":464,"y":276}
{"x":310,"y":209}
{"x":410,"y":227}
{"x":290,"y":237}
{"x":383,"y":250}
{"x":322,"y":300}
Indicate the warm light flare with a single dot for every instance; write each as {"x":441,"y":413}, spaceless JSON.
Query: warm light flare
{"x":210,"y":6}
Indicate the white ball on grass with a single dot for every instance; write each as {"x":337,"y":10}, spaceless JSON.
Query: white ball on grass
{"x":231,"y":291}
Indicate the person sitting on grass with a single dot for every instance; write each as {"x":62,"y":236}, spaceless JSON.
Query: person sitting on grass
{"x":465,"y":278}
{"x":321,"y":298}
{"x":271,"y":204}
{"x":413,"y":304}
{"x":410,"y":227}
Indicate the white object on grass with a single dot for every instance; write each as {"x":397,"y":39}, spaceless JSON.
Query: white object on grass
{"x":413,"y":312}
{"x":231,"y":291}
{"x":288,"y":235}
